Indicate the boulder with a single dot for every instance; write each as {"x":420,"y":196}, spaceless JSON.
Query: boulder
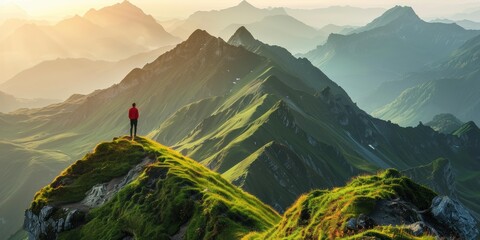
{"x":453,"y":214}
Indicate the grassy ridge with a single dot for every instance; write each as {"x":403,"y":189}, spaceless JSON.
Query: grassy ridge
{"x":177,"y":197}
{"x":172,"y":193}
{"x":108,"y":161}
{"x":324,"y":213}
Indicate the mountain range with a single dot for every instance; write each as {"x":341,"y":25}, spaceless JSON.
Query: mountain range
{"x":470,"y":14}
{"x":390,"y":47}
{"x":111,"y":33}
{"x":436,"y":90}
{"x":265,"y":120}
{"x":286,"y":31}
{"x":278,"y":26}
{"x":320,"y":17}
{"x":217,"y":20}
{"x":467,"y":24}
{"x":63,"y":77}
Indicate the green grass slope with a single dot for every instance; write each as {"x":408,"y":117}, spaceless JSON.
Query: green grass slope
{"x":323,"y":214}
{"x":172,"y":193}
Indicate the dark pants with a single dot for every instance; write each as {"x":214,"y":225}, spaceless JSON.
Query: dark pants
{"x":133,"y":126}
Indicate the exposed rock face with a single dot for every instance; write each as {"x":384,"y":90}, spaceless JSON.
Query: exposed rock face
{"x":101,"y":193}
{"x":453,"y":214}
{"x":52,"y":220}
{"x":445,"y":219}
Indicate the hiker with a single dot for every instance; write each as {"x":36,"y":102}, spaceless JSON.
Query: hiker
{"x":133,"y":115}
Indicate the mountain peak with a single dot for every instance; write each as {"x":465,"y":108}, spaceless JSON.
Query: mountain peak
{"x":241,"y":36}
{"x":122,"y":8}
{"x":403,"y":14}
{"x":445,"y":123}
{"x":199,"y":35}
{"x":399,"y":12}
{"x":245,"y":4}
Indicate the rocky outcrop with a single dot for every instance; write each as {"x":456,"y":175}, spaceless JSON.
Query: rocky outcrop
{"x":101,"y":193}
{"x":455,"y":216}
{"x":445,"y":219}
{"x":51,"y":220}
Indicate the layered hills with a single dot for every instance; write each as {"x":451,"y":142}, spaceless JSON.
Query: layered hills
{"x":388,"y":48}
{"x":437,"y":90}
{"x":284,"y":30}
{"x":217,"y":20}
{"x":60,"y":78}
{"x":252,"y":112}
{"x":111,"y":33}
{"x":270,"y":25}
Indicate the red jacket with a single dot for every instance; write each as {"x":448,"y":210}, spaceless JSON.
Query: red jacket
{"x":133,"y":113}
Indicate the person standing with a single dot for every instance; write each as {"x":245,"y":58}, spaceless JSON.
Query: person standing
{"x":133,"y":115}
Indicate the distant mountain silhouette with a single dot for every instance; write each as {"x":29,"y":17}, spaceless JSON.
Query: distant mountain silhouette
{"x":338,"y":15}
{"x":451,"y":86}
{"x":217,"y":20}
{"x":285,"y":31}
{"x":467,"y":24}
{"x":110,"y":33}
{"x":396,"y":15}
{"x":63,"y":77}
{"x":394,"y":44}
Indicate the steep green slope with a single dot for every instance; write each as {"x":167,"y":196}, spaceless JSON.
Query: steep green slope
{"x":437,"y":174}
{"x":171,"y":193}
{"x":323,"y":214}
{"x":314,"y":79}
{"x":394,"y":44}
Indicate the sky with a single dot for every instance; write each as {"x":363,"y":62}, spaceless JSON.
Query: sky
{"x":165,"y":9}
